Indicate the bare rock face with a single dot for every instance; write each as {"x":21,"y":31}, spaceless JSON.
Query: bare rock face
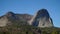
{"x":11,"y":18}
{"x":42,"y":19}
{"x":3,"y":21}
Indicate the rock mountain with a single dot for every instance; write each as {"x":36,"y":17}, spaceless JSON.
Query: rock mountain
{"x":10,"y":18}
{"x":40,"y":19}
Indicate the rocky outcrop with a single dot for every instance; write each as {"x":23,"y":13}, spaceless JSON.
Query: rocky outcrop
{"x":11,"y":18}
{"x":42,"y":19}
{"x":3,"y":21}
{"x":6,"y":19}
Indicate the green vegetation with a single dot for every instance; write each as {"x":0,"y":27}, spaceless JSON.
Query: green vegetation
{"x":21,"y":27}
{"x":29,"y":30}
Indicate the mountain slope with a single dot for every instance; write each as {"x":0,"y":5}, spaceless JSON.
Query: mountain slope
{"x":10,"y":17}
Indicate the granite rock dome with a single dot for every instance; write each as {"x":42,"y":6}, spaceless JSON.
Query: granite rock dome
{"x":42,"y":19}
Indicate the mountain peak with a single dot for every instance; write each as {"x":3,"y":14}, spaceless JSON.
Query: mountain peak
{"x":10,"y":13}
{"x":42,"y":13}
{"x":41,"y":19}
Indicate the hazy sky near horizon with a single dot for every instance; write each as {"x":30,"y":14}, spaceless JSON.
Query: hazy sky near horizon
{"x":31,"y":7}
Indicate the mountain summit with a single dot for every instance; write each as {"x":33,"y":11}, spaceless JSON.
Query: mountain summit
{"x":42,"y":19}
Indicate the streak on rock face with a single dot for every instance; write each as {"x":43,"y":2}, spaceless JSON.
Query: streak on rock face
{"x":42,"y":19}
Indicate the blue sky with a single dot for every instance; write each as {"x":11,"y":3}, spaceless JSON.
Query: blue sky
{"x":31,"y":7}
